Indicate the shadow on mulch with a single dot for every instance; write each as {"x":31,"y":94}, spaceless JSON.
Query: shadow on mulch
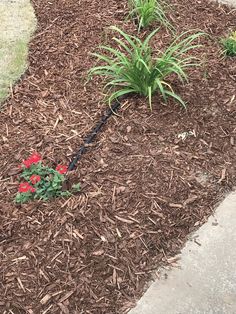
{"x":144,"y":188}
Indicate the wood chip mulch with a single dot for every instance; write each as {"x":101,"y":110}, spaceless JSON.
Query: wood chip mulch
{"x":144,"y":188}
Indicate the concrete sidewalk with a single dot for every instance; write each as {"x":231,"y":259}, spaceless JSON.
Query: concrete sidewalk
{"x":205,"y":283}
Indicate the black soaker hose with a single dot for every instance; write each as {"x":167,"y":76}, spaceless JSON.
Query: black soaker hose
{"x":113,"y":109}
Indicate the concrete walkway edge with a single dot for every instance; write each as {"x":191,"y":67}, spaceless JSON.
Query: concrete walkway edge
{"x":205,"y":282}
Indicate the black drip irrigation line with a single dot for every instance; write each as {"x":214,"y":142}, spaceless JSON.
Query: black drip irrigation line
{"x":89,"y":139}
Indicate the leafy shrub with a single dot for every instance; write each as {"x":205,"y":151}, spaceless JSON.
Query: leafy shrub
{"x":149,"y":11}
{"x":136,"y":70}
{"x":41,"y":182}
{"x":230,"y":45}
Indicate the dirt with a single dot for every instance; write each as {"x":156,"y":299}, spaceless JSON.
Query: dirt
{"x":144,"y":188}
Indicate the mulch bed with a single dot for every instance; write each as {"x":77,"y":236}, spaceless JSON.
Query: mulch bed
{"x":144,"y":189}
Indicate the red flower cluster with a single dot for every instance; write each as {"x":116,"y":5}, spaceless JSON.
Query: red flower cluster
{"x":35,"y":178}
{"x":33,"y":159}
{"x":26,"y":187}
{"x":61,"y":169}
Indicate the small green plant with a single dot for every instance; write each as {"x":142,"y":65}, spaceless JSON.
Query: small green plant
{"x":41,"y":182}
{"x":230,"y":45}
{"x":149,"y":11}
{"x":136,"y":70}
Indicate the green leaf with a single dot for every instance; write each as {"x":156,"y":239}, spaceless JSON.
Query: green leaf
{"x":149,"y":11}
{"x":23,"y":197}
{"x":48,"y":187}
{"x":138,"y":70}
{"x":76,"y":187}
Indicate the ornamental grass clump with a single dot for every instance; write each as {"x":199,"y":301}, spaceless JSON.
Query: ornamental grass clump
{"x":148,"y":11}
{"x":230,"y":45}
{"x":38,"y":181}
{"x":137,"y":70}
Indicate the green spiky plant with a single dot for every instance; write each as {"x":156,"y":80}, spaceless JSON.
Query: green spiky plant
{"x":136,"y":70}
{"x":149,"y":11}
{"x":229,"y":44}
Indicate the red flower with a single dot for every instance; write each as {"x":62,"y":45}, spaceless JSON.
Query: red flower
{"x":33,"y":159}
{"x":35,"y":178}
{"x":32,"y":189}
{"x":27,"y":163}
{"x":61,"y":169}
{"x":26,"y":187}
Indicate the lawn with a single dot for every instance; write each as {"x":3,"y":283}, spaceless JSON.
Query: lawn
{"x":17,"y":25}
{"x":149,"y":179}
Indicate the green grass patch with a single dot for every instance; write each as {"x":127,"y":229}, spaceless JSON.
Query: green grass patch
{"x":13,"y":65}
{"x":18,"y":22}
{"x":229,"y":44}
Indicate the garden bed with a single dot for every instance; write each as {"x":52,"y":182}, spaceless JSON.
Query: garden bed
{"x":144,"y":188}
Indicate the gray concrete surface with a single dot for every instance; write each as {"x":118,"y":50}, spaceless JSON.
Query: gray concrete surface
{"x":205,"y":282}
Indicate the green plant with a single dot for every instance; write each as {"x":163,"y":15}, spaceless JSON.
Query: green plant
{"x":136,"y":70}
{"x":149,"y":11}
{"x":230,"y":45}
{"x":41,"y":182}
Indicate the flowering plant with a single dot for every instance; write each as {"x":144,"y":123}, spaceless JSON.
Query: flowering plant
{"x":40,"y":181}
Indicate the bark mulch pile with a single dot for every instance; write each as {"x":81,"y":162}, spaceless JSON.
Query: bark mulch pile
{"x":144,"y":189}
